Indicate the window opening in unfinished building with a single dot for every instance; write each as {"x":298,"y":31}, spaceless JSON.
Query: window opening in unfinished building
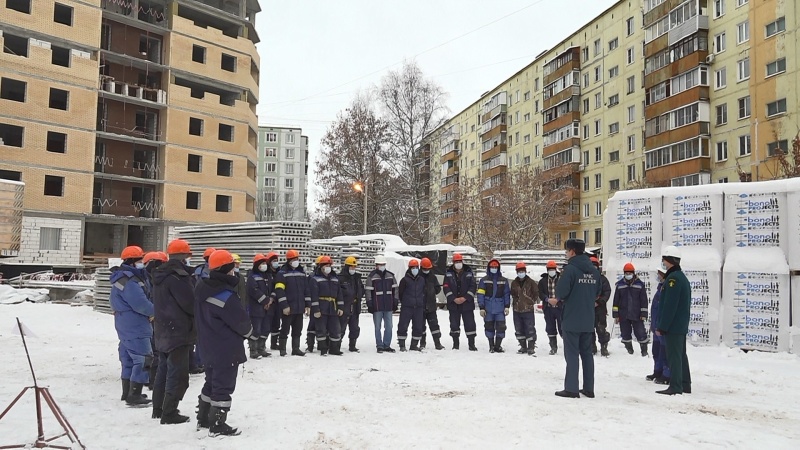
{"x":11,"y":135}
{"x":228,"y":63}
{"x":59,"y":99}
{"x":195,"y":126}
{"x":53,"y":186}
{"x":56,"y":142}
{"x":224,"y":167}
{"x":198,"y":54}
{"x":14,"y":90}
{"x":192,"y":200}
{"x":62,"y":14}
{"x":15,"y":45}
{"x":225,"y":132}
{"x":223,"y":203}
{"x":60,"y":56}
{"x":195,"y":163}
{"x":23,"y":6}
{"x":150,"y":48}
{"x":11,"y":175}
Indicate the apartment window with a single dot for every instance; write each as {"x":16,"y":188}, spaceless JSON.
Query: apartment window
{"x":272,"y":167}
{"x":776,"y":67}
{"x":223,"y":203}
{"x":776,"y":107}
{"x":270,"y":197}
{"x":516,"y":137}
{"x":288,"y":197}
{"x":613,"y":44}
{"x":49,"y":238}
{"x":195,"y":163}
{"x":290,"y":169}
{"x":289,"y":183}
{"x":13,"y":90}
{"x":290,"y":138}
{"x":516,"y":117}
{"x":60,"y":56}
{"x":719,"y":43}
{"x":536,"y":84}
{"x":225,"y":133}
{"x":631,"y":84}
{"x":272,"y":137}
{"x":597,"y":47}
{"x":586,"y":131}
{"x":510,"y":120}
{"x":15,"y":45}
{"x":585,"y":159}
{"x":289,"y":153}
{"x":585,"y":184}
{"x":613,"y":128}
{"x":585,"y":54}
{"x":598,"y":180}
{"x":228,"y":63}
{"x":586,"y":209}
{"x":557,"y":239}
{"x":11,"y":135}
{"x":720,"y":78}
{"x":743,"y":69}
{"x":597,"y":74}
{"x":598,"y":208}
{"x":597,"y":127}
{"x":56,"y":142}
{"x":631,"y":113}
{"x":59,"y":99}
{"x":527,"y":96}
{"x":585,"y":105}
{"x":722,"y":151}
{"x":23,"y":6}
{"x":527,"y":117}
{"x":629,"y":26}
{"x":271,"y":152}
{"x":526,"y":139}
{"x":585,"y":235}
{"x":719,"y":8}
{"x":613,"y":100}
{"x":62,"y":14}
{"x":11,"y":175}
{"x":526,"y":160}
{"x":631,"y":172}
{"x":598,"y":236}
{"x":270,"y":182}
{"x":198,"y":54}
{"x":53,"y":186}
{"x":598,"y":101}
{"x":613,"y":185}
{"x":743,"y":32}
{"x":744,"y":107}
{"x":723,"y":180}
{"x":195,"y":126}
{"x":224,"y":167}
{"x":631,"y":143}
{"x":613,"y":156}
{"x":631,"y":55}
{"x":780,"y":147}
{"x":586,"y":80}
{"x":776,"y":27}
{"x":573,"y":235}
{"x":744,"y":145}
{"x":722,"y":114}
{"x":510,"y":141}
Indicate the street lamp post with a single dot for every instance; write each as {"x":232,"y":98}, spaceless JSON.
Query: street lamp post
{"x":361,"y":186}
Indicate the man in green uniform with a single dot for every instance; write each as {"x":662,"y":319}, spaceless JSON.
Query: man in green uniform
{"x":673,"y":323}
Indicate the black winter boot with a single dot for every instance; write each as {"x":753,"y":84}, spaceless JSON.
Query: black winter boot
{"x":491,"y":345}
{"x":498,"y":348}
{"x":553,"y":345}
{"x":629,"y":347}
{"x":471,"y":341}
{"x":604,"y":349}
{"x":643,"y":346}
{"x":309,"y":344}
{"x":296,"y":347}
{"x":135,"y":397}
{"x":282,"y":346}
{"x":523,"y":346}
{"x":217,"y":417}
{"x":402,"y":344}
{"x":423,"y":341}
{"x":456,"y":342}
{"x":262,"y":347}
{"x":171,"y":414}
{"x":437,"y":342}
{"x":253,"y":345}
{"x":653,"y":376}
{"x":531,"y":347}
{"x":415,"y":345}
{"x":336,"y":348}
{"x":274,"y":342}
{"x":126,"y":388}
{"x":353,"y":346}
{"x":323,"y":347}
{"x":158,"y":401}
{"x":202,"y":413}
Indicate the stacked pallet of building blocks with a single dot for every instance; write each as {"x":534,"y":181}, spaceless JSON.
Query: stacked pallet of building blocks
{"x":102,"y":290}
{"x":531,"y":258}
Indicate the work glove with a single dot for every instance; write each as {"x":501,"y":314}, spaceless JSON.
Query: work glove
{"x":308,"y":311}
{"x":286,"y":311}
{"x":339,"y":313}
{"x":642,"y":318}
{"x":505,"y":311}
{"x":483,"y":313}
{"x":317,"y":315}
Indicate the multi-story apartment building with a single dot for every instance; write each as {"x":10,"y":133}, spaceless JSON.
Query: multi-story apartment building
{"x":282,"y":174}
{"x":125,"y":119}
{"x":649,"y":93}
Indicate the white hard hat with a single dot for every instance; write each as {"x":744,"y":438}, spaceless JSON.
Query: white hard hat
{"x":380,"y":259}
{"x":671,"y":251}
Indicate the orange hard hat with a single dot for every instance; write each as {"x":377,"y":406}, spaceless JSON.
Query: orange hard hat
{"x":208,"y":252}
{"x":426,"y":263}
{"x":458,"y":257}
{"x":155,"y":256}
{"x":259,"y":257}
{"x":413,"y":263}
{"x":132,"y":252}
{"x":551,"y":265}
{"x":292,"y":254}
{"x":628,"y":268}
{"x":178,"y":246}
{"x":521,"y":266}
{"x":494,"y":263}
{"x":219,"y":258}
{"x":271,"y":255}
{"x":324,"y":260}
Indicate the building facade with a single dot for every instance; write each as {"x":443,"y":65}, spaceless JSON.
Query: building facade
{"x":282,"y":174}
{"x":649,"y":93}
{"x":124,"y":119}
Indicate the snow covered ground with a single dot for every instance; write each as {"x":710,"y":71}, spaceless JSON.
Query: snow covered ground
{"x":437,"y":399}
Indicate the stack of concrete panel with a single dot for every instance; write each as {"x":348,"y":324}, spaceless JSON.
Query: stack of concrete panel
{"x":102,"y":290}
{"x":536,"y":258}
{"x":247,"y":239}
{"x":364,"y":250}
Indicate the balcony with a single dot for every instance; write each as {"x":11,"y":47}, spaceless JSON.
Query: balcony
{"x":122,"y":160}
{"x":124,"y":91}
{"x":149,"y":12}
{"x":121,"y":40}
{"x":128,"y":123}
{"x":493,"y":113}
{"x":688,"y":28}
{"x":124,"y":198}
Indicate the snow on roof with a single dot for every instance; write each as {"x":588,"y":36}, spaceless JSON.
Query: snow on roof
{"x":430,"y":248}
{"x":390,"y":239}
{"x":758,"y":260}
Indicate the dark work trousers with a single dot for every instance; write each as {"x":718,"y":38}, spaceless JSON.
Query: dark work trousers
{"x":637,"y":326}
{"x":459,"y":313}
{"x":311,"y":331}
{"x":261,"y":325}
{"x":659,"y":351}
{"x":172,"y":375}
{"x":680,"y":377}
{"x":328,"y":327}
{"x":293,"y":321}
{"x":275,"y":317}
{"x":350,"y":320}
{"x":433,"y":323}
{"x":601,"y":325}
{"x":195,"y":358}
{"x":578,"y":345}
{"x":416,"y":316}
{"x":552,"y":320}
{"x":154,"y":364}
{"x":220,"y":384}
{"x":525,"y":326}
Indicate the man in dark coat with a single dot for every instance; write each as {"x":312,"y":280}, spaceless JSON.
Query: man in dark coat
{"x":673,"y":323}
{"x":630,"y":309}
{"x":552,"y":309}
{"x":175,"y":333}
{"x":661,"y":372}
{"x":222,"y":326}
{"x":152,"y":261}
{"x":294,"y":299}
{"x":459,"y":287}
{"x":601,"y":313}
{"x":327,"y":306}
{"x":260,"y":300}
{"x":352,"y":292}
{"x":524,"y":296}
{"x":432,"y":289}
{"x":578,"y":288}
{"x":412,"y":307}
{"x":272,"y":310}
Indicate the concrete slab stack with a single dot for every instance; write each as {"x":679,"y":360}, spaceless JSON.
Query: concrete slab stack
{"x":102,"y":290}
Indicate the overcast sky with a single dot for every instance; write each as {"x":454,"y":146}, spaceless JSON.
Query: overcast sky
{"x":316,"y":54}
